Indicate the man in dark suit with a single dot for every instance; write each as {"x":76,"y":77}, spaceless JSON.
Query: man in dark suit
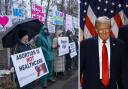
{"x":102,"y":59}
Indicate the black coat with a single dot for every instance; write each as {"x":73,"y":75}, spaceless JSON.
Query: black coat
{"x":123,"y":35}
{"x":20,"y":47}
{"x":89,"y":64}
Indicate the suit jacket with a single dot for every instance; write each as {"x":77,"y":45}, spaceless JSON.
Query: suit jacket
{"x":123,"y":33}
{"x":89,"y":64}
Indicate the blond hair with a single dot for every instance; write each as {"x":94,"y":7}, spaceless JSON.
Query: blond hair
{"x":103,"y":20}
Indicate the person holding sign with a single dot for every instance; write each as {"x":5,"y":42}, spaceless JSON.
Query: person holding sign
{"x":22,"y":46}
{"x":59,"y":61}
{"x":68,"y":58}
{"x":44,"y":42}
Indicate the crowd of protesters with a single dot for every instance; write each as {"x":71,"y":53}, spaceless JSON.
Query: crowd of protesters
{"x":57,"y":65}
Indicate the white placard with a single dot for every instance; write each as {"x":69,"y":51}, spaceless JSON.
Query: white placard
{"x":68,"y":23}
{"x":64,"y":45}
{"x":29,"y":66}
{"x":73,"y":52}
{"x":51,"y":28}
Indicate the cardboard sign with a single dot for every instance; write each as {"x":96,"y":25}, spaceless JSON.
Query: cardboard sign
{"x":75,"y":22}
{"x":18,"y":12}
{"x":38,"y":12}
{"x":73,"y":52}
{"x":69,"y":23}
{"x":51,"y":28}
{"x":58,"y":18}
{"x":29,"y":66}
{"x":64,"y":45}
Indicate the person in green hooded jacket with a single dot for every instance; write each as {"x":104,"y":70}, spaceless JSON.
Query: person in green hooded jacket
{"x":43,"y":41}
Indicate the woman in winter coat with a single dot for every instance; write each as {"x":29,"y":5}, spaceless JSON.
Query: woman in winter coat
{"x":59,"y":61}
{"x":22,"y":46}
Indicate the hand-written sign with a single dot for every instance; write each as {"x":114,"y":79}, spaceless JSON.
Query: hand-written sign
{"x":58,"y":18}
{"x":29,"y":65}
{"x":63,"y":42}
{"x":38,"y":12}
{"x":73,"y":52}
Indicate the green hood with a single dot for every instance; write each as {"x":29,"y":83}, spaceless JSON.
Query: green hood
{"x":42,"y":30}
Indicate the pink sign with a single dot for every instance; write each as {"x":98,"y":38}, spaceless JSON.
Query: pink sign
{"x":68,"y":22}
{"x":38,"y":12}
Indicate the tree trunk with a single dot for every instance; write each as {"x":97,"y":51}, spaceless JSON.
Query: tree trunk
{"x":6,"y":7}
{"x":31,"y":7}
{"x":47,"y":9}
{"x":0,"y":6}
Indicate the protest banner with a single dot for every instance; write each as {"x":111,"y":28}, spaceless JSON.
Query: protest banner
{"x":68,"y":23}
{"x":18,"y":12}
{"x":51,"y":28}
{"x":63,"y":42}
{"x":58,"y":18}
{"x":29,"y":66}
{"x":73,"y":52}
{"x":75,"y":22}
{"x":38,"y":12}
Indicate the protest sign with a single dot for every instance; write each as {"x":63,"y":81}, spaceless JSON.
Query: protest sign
{"x":29,"y":66}
{"x":75,"y":22}
{"x":19,"y":12}
{"x":63,"y":42}
{"x":38,"y":12}
{"x":68,"y":23}
{"x":58,"y":18}
{"x":73,"y":52}
{"x":51,"y":28}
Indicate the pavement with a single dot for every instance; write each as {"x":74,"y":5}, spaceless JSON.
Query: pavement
{"x":69,"y":81}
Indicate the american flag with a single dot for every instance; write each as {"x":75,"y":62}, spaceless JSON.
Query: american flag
{"x":116,"y":10}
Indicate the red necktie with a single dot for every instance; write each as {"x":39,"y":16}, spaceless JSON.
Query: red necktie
{"x":105,"y":69}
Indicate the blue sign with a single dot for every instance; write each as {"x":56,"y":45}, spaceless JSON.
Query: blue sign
{"x":58,"y":18}
{"x":18,"y":12}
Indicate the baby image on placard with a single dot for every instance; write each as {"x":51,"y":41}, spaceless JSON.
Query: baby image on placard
{"x":40,"y":69}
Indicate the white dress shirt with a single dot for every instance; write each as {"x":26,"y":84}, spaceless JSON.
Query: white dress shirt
{"x":100,"y":44}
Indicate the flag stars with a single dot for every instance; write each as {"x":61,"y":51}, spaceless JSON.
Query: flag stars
{"x":126,"y":5}
{"x":99,"y":0}
{"x":84,"y":11}
{"x":98,"y":8}
{"x":106,"y":2}
{"x":112,"y":11}
{"x":119,"y":5}
{"x":105,"y":9}
{"x":113,"y":3}
{"x":85,"y":3}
